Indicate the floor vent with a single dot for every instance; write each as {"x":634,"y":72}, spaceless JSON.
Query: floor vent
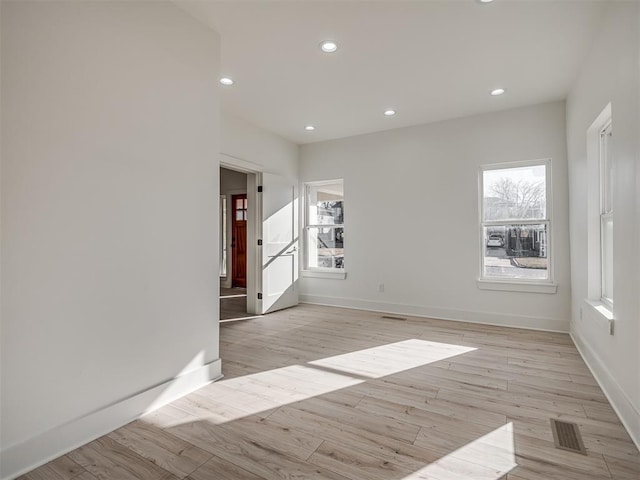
{"x":566,"y":436}
{"x":389,"y":317}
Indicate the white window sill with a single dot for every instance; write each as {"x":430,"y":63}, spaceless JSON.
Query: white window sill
{"x":336,"y":274}
{"x":507,"y":286}
{"x":600,"y":310}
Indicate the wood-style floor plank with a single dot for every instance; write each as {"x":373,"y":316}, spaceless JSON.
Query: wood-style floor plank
{"x":62,"y":468}
{"x":623,"y":469}
{"x":160,"y":447}
{"x":401,"y":453}
{"x":328,"y":393}
{"x":220,"y":469}
{"x":85,"y":476}
{"x":355,"y":464}
{"x":105,"y":458}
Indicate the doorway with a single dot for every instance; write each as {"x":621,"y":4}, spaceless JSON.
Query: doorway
{"x":234,"y":219}
{"x":259,"y":248}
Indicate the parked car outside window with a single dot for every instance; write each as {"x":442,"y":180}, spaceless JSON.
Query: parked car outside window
{"x":495,"y":241}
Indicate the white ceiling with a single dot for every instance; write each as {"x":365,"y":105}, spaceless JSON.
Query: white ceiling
{"x":428,"y":60}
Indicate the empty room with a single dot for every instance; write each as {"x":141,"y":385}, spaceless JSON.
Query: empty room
{"x":317,"y":239}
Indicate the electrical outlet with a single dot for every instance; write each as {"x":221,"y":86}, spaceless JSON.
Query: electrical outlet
{"x":381,"y":287}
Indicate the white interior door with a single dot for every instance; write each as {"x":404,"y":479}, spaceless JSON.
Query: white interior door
{"x":279,"y":243}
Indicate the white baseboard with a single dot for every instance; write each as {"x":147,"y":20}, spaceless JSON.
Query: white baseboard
{"x":486,"y":318}
{"x":619,"y":400}
{"x":20,"y":458}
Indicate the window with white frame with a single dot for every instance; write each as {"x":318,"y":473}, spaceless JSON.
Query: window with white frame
{"x":606,"y":215}
{"x":515,"y":225}
{"x":324,"y":225}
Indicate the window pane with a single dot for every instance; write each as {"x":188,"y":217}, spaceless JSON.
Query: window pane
{"x":516,"y":251}
{"x":515,"y":193}
{"x":606,"y":170}
{"x":325,"y":204}
{"x":325,"y":247}
{"x":607,"y":257}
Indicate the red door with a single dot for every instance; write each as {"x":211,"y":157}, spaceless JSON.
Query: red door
{"x":239,"y":241}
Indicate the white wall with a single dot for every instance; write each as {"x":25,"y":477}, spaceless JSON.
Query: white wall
{"x":610,"y":74}
{"x":253,"y":148}
{"x":411,"y":216}
{"x":110,"y":122}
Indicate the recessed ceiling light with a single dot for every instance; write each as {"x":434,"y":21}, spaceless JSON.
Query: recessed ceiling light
{"x":389,"y":112}
{"x":309,"y":128}
{"x":486,"y":1}
{"x":226,"y":81}
{"x":328,"y":46}
{"x":497,"y":91}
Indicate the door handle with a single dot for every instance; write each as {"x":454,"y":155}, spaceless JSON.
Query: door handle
{"x":289,"y":252}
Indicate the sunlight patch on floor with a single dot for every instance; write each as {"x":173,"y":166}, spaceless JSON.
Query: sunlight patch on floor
{"x":392,"y":358}
{"x":239,"y":397}
{"x":252,"y":394}
{"x":489,"y":457}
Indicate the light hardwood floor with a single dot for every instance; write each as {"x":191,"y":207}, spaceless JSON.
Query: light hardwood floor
{"x":319,"y":392}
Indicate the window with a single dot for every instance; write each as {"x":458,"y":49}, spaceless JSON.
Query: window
{"x":600,"y":181}
{"x":240,"y":207}
{"x":324,"y":225}
{"x":606,"y":216}
{"x":515,"y":222}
